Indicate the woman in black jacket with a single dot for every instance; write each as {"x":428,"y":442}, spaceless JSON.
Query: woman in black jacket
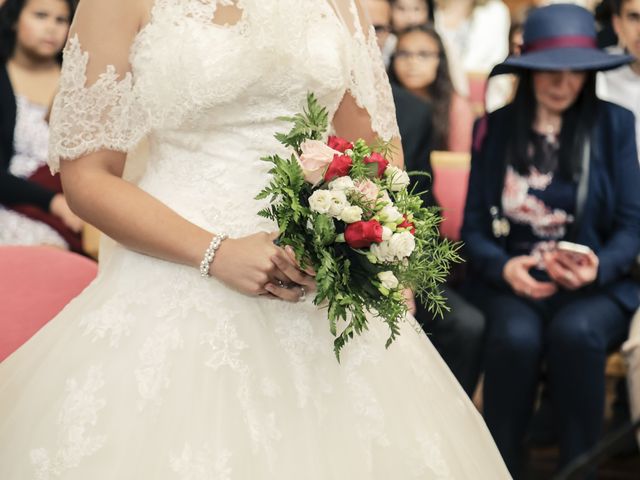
{"x":33,"y":208}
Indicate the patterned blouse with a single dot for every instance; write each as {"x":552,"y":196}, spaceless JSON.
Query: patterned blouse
{"x":540,"y":205}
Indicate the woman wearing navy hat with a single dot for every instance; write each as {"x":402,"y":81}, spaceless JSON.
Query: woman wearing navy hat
{"x":556,"y":165}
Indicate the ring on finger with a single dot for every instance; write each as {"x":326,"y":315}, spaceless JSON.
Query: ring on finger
{"x":303,"y":294}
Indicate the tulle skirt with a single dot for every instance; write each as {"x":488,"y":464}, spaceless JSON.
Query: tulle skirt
{"x":156,"y":373}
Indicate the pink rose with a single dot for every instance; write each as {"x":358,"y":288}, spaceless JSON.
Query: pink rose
{"x":368,"y":190}
{"x":315,"y":158}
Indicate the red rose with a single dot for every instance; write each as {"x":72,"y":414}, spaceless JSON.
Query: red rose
{"x":340,"y":166}
{"x":363,"y":234}
{"x":407,"y":224}
{"x":339,"y":144}
{"x":378,"y":159}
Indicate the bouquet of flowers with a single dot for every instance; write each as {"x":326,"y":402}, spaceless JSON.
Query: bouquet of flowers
{"x":350,"y":215}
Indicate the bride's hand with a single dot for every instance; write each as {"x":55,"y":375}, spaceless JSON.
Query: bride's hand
{"x":299,"y":282}
{"x":247,"y":264}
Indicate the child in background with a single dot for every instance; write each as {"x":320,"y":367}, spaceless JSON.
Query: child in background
{"x":33,"y":209}
{"x":420,"y":65}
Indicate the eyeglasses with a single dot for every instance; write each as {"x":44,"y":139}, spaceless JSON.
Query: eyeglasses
{"x":422,"y":55}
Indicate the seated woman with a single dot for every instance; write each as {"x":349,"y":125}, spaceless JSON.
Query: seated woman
{"x":33,"y":209}
{"x":420,"y":65}
{"x":556,"y":164}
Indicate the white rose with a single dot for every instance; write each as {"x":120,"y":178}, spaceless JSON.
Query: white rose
{"x":387,"y":233}
{"x":344,"y":184}
{"x":402,"y":245}
{"x":399,"y":178}
{"x":338,"y":203}
{"x":320,"y":201}
{"x":352,"y":214}
{"x":390,"y":214}
{"x":388,"y":280}
{"x":382,"y":251}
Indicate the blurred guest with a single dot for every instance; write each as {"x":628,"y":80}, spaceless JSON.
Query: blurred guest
{"x":606,"y":34}
{"x":380,"y":16}
{"x":420,"y":65}
{"x":410,"y":13}
{"x":477,"y":29}
{"x":622,"y":85}
{"x":500,"y":89}
{"x":556,"y":164}
{"x":515,"y":38}
{"x":32,"y":35}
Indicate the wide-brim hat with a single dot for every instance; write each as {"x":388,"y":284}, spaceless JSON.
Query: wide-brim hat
{"x":560,"y":37}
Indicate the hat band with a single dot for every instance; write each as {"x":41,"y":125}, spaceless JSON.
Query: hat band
{"x":579,"y":41}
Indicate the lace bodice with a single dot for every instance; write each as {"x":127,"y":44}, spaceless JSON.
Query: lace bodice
{"x":184,"y":73}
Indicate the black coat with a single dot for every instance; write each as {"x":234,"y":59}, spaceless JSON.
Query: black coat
{"x":415,"y":123}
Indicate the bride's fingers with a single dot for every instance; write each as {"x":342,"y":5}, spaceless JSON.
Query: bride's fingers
{"x":292,"y":255}
{"x":292,"y":295}
{"x":292,"y":272}
{"x":279,"y":278}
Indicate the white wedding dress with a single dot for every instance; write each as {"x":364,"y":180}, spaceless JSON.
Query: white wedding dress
{"x":154,"y":373}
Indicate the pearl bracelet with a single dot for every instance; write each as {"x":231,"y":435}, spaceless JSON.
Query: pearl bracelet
{"x":209,"y":255}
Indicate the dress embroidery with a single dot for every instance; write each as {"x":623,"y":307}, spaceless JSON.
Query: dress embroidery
{"x":85,"y":119}
{"x":78,"y":414}
{"x":112,"y":321}
{"x":120,"y":108}
{"x":153,"y":372}
{"x":202,"y":464}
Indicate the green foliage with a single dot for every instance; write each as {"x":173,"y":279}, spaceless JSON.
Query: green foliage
{"x":347,"y":283}
{"x":309,"y":125}
{"x":324,"y":230}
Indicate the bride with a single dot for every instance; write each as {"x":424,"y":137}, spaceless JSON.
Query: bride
{"x":156,"y":372}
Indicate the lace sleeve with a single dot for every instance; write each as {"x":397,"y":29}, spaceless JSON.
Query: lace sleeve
{"x":368,"y":83}
{"x":96,"y":107}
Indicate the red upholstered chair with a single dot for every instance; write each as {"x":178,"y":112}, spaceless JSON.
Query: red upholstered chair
{"x":35,"y":284}
{"x":451,"y":173}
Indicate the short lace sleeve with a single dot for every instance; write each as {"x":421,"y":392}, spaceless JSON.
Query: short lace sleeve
{"x":368,"y":83}
{"x":96,"y":107}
